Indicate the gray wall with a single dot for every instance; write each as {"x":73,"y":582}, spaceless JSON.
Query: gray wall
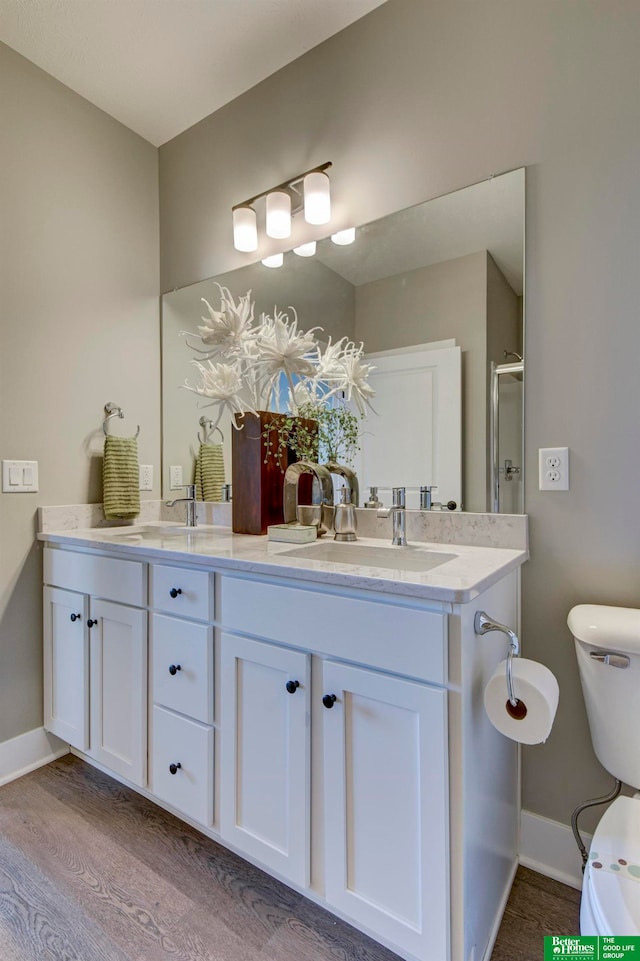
{"x":425,"y":96}
{"x":79,"y":250}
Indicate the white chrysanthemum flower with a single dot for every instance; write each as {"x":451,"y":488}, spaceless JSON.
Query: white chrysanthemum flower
{"x":356,"y":376}
{"x":283,"y":349}
{"x":222,"y":385}
{"x":227,"y":329}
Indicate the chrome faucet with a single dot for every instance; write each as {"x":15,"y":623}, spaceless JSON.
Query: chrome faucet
{"x":190,"y":501}
{"x":398,"y":517}
{"x":426,"y":497}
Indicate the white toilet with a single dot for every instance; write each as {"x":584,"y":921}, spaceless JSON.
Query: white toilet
{"x":608,"y":647}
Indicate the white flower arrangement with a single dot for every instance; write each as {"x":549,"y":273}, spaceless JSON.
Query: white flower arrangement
{"x":241,"y":364}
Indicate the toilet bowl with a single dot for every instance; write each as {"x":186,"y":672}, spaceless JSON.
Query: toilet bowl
{"x":610,"y":904}
{"x":607,"y":641}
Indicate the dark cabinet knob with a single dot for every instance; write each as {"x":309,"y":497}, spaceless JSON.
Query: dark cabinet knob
{"x":173,"y":669}
{"x":292,"y":686}
{"x":175,"y":591}
{"x":329,"y":700}
{"x":174,"y":768}
{"x":451,"y":505}
{"x":76,"y":617}
{"x":91,"y":623}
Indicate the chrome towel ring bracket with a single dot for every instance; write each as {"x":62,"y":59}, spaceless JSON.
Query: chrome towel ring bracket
{"x":112,"y":410}
{"x":208,"y":430}
{"x":482,"y":624}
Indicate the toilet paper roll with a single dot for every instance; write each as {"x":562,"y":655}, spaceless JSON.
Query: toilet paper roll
{"x":537,"y":692}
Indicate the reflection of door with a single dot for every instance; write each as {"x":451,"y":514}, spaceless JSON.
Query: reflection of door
{"x":416,"y":438}
{"x":510,"y":498}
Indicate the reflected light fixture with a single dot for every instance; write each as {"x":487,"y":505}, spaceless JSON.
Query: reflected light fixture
{"x":306,"y":250}
{"x":344,"y":237}
{"x":308,"y":191}
{"x":275,"y":260}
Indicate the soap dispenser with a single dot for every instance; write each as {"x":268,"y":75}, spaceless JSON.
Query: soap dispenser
{"x":344,"y":522}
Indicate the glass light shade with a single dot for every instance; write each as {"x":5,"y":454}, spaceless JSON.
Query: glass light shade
{"x":306,"y":250}
{"x":245,"y":231}
{"x":317,"y":198}
{"x":278,"y":222}
{"x":344,"y":237}
{"x":275,"y":260}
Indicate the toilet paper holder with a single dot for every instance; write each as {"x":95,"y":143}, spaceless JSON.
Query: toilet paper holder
{"x":482,"y":624}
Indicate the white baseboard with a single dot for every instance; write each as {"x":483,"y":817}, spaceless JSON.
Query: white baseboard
{"x":550,"y":848}
{"x":28,"y":751}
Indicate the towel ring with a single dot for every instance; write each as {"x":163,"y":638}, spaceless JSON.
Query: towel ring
{"x":209,"y":430}
{"x":112,"y":410}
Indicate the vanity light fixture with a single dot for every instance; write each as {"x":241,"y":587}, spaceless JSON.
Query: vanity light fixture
{"x":344,"y":237}
{"x":306,"y":250}
{"x":308,"y":191}
{"x":245,"y":229}
{"x":275,"y":260}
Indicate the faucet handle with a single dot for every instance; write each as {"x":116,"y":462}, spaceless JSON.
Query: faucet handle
{"x":399,"y":494}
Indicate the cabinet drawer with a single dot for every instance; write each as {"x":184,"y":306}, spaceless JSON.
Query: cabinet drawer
{"x":181,"y":591}
{"x":182,"y":677}
{"x":179,"y":741}
{"x":388,"y":636}
{"x":107,"y":577}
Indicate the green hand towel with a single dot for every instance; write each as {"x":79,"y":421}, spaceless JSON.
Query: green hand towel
{"x":209,"y":472}
{"x":120,"y":478}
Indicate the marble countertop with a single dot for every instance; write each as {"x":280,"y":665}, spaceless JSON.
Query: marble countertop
{"x":458,"y":580}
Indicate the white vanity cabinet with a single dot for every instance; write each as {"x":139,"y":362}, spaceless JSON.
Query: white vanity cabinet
{"x":181,"y":736}
{"x":355,"y":759}
{"x":95,"y":658}
{"x":381,"y":761}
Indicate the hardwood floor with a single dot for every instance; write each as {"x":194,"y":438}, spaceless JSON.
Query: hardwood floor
{"x":91,"y":871}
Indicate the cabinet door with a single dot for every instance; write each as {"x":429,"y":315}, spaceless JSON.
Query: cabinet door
{"x":118,"y":640}
{"x":264,"y":789}
{"x":66,"y":666}
{"x":386,"y":807}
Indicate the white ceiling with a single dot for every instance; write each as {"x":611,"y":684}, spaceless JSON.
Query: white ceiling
{"x":159,"y":66}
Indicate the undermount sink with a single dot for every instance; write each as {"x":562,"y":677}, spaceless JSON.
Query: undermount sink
{"x":153,"y":532}
{"x":408,"y":558}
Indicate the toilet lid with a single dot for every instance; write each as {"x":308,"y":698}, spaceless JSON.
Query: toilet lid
{"x":614,"y":868}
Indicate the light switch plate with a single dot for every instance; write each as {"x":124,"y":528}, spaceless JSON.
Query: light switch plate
{"x":19,"y":476}
{"x":175,"y":478}
{"x":553,"y":469}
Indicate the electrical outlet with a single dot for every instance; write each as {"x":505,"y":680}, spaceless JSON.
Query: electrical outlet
{"x":553,"y":468}
{"x":175,"y":477}
{"x":146,"y":477}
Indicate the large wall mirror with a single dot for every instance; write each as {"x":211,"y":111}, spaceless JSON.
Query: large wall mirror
{"x":448,"y":271}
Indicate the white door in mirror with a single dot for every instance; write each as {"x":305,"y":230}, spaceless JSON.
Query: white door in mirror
{"x":19,"y":476}
{"x":553,"y":468}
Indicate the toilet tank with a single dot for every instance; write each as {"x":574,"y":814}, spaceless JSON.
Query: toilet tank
{"x":607,"y":643}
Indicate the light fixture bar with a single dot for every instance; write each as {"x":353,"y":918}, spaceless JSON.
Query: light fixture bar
{"x":286,"y":184}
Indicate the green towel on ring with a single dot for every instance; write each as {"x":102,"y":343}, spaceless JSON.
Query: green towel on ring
{"x":120,"y":477}
{"x":209,"y":472}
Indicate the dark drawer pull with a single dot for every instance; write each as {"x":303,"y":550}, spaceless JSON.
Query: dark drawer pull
{"x":329,"y":700}
{"x":292,"y":686}
{"x":173,"y":669}
{"x":174,"y":768}
{"x":76,"y":617}
{"x":175,"y":591}
{"x":91,"y":623}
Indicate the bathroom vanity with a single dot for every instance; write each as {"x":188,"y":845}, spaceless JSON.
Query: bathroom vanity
{"x":323,"y":719}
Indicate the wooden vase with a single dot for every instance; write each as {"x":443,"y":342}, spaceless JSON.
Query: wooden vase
{"x":257,"y":480}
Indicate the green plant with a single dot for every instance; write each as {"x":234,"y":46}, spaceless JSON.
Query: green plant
{"x":316,"y":433}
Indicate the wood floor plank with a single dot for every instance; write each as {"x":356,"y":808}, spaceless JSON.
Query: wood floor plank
{"x":38,"y":923}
